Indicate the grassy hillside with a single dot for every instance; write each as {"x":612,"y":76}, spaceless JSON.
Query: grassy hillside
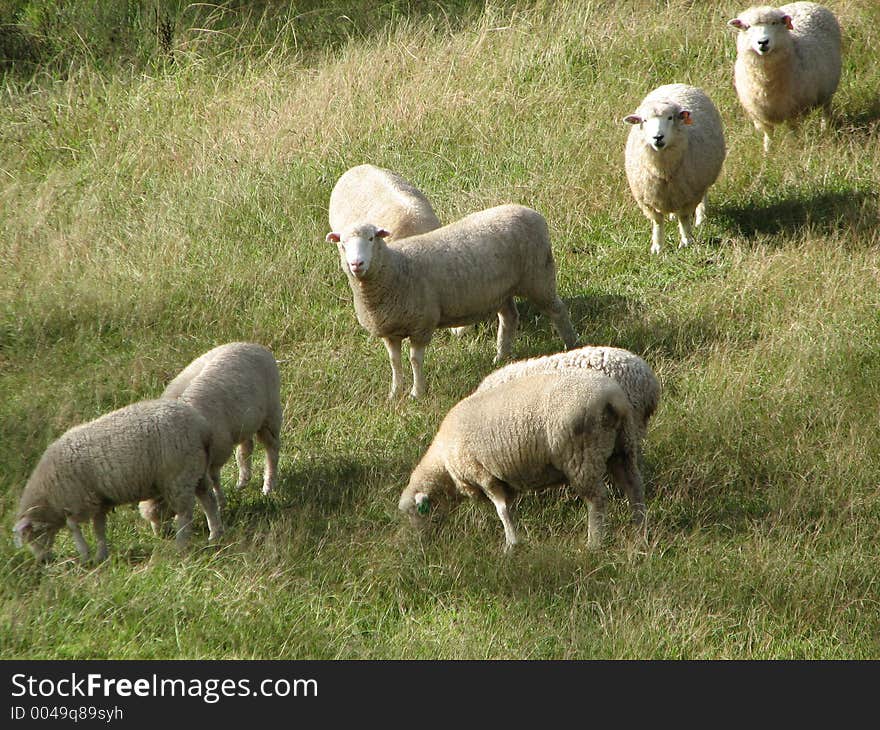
{"x":169,"y":193}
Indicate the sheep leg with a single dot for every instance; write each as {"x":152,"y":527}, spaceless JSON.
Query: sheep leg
{"x":627,"y":478}
{"x":700,"y":215}
{"x":657,"y":231}
{"x":183,"y":511}
{"x":685,"y":229}
{"x":416,"y":362}
{"x":595,"y":520}
{"x":209,"y":504}
{"x":99,"y":524}
{"x":82,"y":546}
{"x":214,"y":473}
{"x":508,"y":321}
{"x":558,"y":314}
{"x":496,"y":491}
{"x":272,"y":443}
{"x":392,"y":344}
{"x":243,"y":453}
{"x":766,"y":130}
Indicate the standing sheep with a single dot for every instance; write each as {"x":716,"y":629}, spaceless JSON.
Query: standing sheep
{"x":628,"y":370}
{"x":448,"y":277}
{"x":787,"y":63}
{"x":674,"y":152}
{"x":370,"y":194}
{"x":237,"y":388}
{"x":526,"y":434}
{"x":150,"y":449}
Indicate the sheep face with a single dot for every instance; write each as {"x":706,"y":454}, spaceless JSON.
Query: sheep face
{"x":38,"y":536}
{"x":661,"y":125}
{"x":425,"y":506}
{"x":762,"y":30}
{"x":357,"y":247}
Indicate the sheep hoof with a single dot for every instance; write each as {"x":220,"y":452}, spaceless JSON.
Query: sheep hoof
{"x":655,"y":248}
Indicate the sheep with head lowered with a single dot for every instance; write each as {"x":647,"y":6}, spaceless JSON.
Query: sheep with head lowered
{"x":536,"y":431}
{"x":237,"y":388}
{"x":674,"y":152}
{"x":451,"y":276}
{"x":787,"y":63}
{"x":150,"y":449}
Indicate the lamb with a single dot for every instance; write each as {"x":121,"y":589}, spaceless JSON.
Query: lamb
{"x":370,"y":194}
{"x":630,"y":371}
{"x":237,"y":388}
{"x":674,"y":152}
{"x":533,"y":432}
{"x":150,"y":449}
{"x":787,"y":63}
{"x":448,"y":277}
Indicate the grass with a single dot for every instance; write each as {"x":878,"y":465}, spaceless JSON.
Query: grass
{"x":158,"y":203}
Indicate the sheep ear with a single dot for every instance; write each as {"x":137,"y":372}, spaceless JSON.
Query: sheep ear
{"x":685,"y":117}
{"x":22,"y":528}
{"x":633,"y":119}
{"x":787,"y":20}
{"x":382,"y":233}
{"x":738,"y":24}
{"x":423,"y":504}
{"x":332,"y":237}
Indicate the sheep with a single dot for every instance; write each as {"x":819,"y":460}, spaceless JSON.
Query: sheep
{"x":533,"y":432}
{"x":370,"y":194}
{"x":448,"y":277}
{"x":674,"y":152}
{"x":237,"y":388}
{"x":154,"y":448}
{"x":787,"y":63}
{"x":631,"y":372}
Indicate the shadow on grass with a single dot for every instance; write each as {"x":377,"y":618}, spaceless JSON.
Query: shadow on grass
{"x":856,"y":209}
{"x":861,"y":122}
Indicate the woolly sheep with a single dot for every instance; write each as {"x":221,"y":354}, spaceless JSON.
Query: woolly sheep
{"x":370,"y":194}
{"x":155,"y":448}
{"x":787,"y":63}
{"x":631,"y":372}
{"x":674,"y":152}
{"x":237,"y":388}
{"x":536,"y":431}
{"x":448,"y":277}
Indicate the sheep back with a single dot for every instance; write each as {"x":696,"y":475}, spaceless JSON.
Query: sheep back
{"x":370,"y":194}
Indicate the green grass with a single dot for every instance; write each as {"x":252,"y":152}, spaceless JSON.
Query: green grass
{"x":158,"y":201}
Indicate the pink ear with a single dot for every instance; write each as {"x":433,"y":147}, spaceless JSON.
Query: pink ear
{"x":632,"y":119}
{"x":382,"y":233}
{"x":332,"y":237}
{"x":685,"y":117}
{"x":787,"y":20}
{"x":737,"y":23}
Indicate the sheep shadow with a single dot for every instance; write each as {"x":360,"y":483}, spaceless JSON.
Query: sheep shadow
{"x":825,"y":212}
{"x":861,"y":122}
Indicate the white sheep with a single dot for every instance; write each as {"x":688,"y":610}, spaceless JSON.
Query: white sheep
{"x":631,"y":372}
{"x":674,"y":152}
{"x":237,"y":388}
{"x":370,"y":194}
{"x":451,"y":276}
{"x":150,"y":449}
{"x":529,"y":433}
{"x":787,"y":63}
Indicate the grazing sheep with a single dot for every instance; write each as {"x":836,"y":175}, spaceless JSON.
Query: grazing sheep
{"x":157,"y":448}
{"x":370,"y":194}
{"x":448,"y":277}
{"x":630,"y":371}
{"x":536,"y":431}
{"x":674,"y":152}
{"x":787,"y":63}
{"x":237,"y":388}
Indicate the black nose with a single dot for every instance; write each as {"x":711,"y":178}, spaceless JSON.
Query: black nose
{"x":658,"y":137}
{"x":764,"y":42}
